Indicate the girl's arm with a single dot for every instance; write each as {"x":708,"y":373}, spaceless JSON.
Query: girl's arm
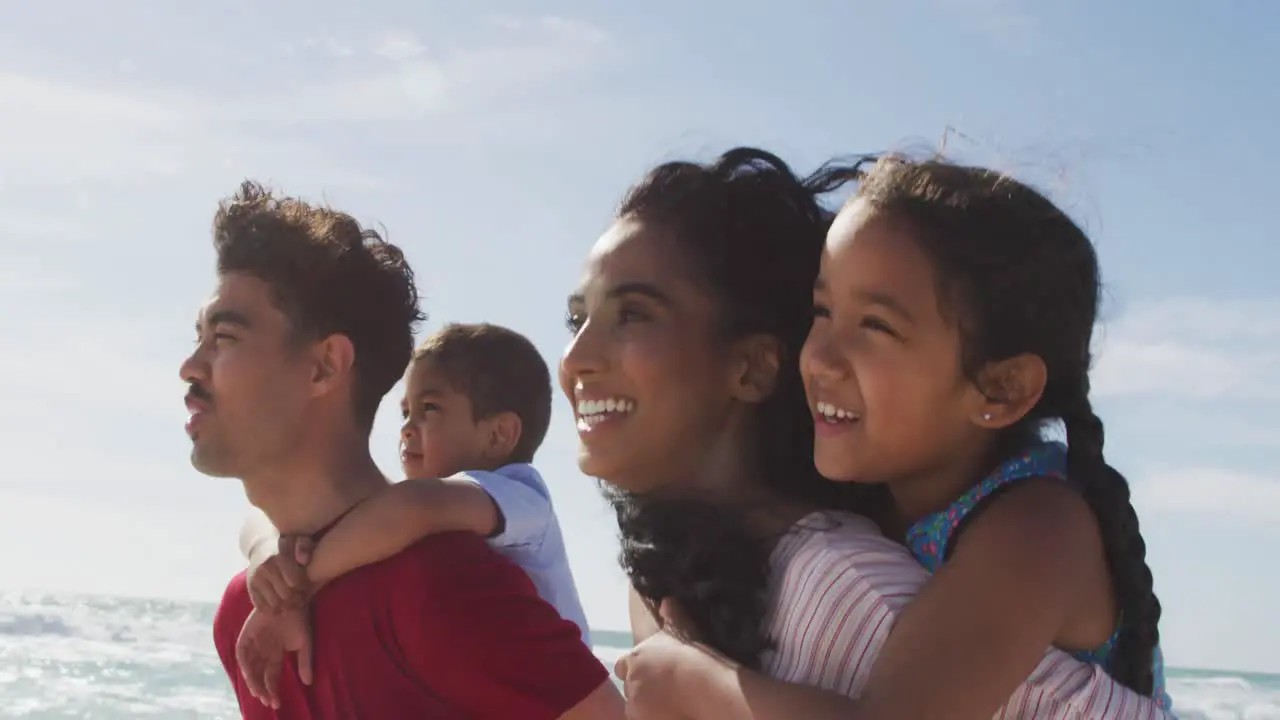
{"x":974,"y":633}
{"x":833,"y":613}
{"x":716,"y":687}
{"x":983,"y":624}
{"x":487,"y":504}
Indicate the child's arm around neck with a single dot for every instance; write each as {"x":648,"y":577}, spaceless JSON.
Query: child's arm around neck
{"x":483,"y":503}
{"x":960,"y":649}
{"x":983,"y":623}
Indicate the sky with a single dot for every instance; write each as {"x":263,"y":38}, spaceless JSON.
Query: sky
{"x":492,"y":141}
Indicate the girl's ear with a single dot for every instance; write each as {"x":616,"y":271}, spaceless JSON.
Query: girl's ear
{"x":1009,"y":389}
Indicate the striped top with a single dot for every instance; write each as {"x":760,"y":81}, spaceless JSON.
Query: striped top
{"x":837,"y":586}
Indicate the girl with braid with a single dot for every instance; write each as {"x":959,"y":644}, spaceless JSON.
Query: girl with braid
{"x":953,"y":315}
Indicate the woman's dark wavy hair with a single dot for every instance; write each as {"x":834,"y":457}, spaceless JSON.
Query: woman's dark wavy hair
{"x":753,"y":233}
{"x":1018,"y":276}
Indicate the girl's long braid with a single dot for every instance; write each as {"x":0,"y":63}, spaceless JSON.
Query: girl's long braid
{"x":1107,"y":493}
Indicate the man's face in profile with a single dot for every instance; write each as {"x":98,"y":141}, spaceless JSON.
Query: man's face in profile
{"x":248,"y":381}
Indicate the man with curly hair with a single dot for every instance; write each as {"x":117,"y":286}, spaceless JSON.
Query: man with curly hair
{"x":310,"y":324}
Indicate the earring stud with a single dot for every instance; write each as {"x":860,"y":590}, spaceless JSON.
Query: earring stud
{"x":986,"y":416}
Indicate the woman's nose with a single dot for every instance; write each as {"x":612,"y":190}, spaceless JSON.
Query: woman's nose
{"x":584,"y":356}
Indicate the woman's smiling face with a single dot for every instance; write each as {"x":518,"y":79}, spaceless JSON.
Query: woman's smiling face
{"x":647,"y":371}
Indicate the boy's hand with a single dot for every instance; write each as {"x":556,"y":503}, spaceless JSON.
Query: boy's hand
{"x":261,"y":648}
{"x":280,"y":582}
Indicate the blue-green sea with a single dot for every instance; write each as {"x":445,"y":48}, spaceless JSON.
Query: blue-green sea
{"x":104,"y":658}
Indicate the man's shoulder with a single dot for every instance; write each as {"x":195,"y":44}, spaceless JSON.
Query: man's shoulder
{"x":236,"y":594}
{"x":233,"y":609}
{"x":447,"y":556}
{"x":445,"y":545}
{"x":444,"y":578}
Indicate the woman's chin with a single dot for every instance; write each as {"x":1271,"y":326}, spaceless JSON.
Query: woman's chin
{"x":611,"y":476}
{"x":592,"y":465}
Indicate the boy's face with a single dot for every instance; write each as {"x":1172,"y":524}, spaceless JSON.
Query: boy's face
{"x":439,"y":436}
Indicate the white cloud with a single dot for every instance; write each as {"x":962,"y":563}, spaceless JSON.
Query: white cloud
{"x":1184,"y":370}
{"x":76,"y":130}
{"x":1196,"y":348}
{"x":1205,"y":319}
{"x":400,"y":46}
{"x":1228,"y":494}
{"x":63,"y":130}
{"x":329,"y":46}
{"x":410,"y":83}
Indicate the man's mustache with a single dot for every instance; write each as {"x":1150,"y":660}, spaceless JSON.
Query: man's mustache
{"x":196,"y":391}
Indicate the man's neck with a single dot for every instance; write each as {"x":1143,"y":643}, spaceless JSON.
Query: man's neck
{"x":303,"y":495}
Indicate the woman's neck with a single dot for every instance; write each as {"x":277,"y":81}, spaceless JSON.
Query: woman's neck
{"x":739,"y":483}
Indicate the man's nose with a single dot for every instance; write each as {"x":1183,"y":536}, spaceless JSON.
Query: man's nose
{"x":195,"y":369}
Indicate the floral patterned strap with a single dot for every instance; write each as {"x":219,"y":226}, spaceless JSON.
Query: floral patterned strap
{"x":929,"y":537}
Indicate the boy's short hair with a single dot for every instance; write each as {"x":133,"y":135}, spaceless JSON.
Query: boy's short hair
{"x":499,"y":370}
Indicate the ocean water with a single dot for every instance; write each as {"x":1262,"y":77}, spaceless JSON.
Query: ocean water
{"x":103,"y":658}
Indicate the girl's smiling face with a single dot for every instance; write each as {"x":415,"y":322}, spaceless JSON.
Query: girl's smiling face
{"x":882,"y":364}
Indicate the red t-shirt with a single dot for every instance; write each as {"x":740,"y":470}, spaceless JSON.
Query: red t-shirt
{"x":446,"y":629}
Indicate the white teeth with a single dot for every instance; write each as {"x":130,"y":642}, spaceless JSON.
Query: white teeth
{"x":831,"y":412}
{"x":592,"y":411}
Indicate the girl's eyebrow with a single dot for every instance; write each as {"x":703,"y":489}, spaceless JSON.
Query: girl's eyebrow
{"x":886,"y":301}
{"x":873,"y":297}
